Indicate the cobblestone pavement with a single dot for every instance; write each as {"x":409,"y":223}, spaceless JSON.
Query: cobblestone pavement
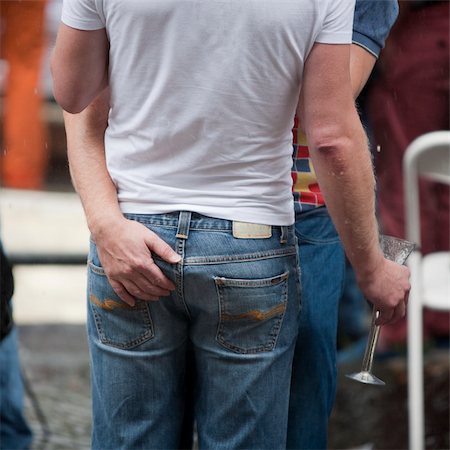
{"x":55,"y":360}
{"x":55,"y":363}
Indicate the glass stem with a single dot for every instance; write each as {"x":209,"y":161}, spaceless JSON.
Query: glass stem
{"x":371,"y":344}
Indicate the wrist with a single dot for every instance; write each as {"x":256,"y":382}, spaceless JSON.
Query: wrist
{"x":370,"y":267}
{"x":101,"y":222}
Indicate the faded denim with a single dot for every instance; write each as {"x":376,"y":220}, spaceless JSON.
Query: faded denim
{"x":237,"y":300}
{"x":313,"y":387}
{"x":15,"y":434}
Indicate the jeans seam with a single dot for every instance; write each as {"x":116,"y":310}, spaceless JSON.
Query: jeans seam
{"x":304,"y":239}
{"x":224,"y":259}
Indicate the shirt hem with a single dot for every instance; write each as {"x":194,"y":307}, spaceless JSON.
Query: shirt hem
{"x":263,"y":219}
{"x":335,"y":38}
{"x":366,"y":43}
{"x":85,"y":25}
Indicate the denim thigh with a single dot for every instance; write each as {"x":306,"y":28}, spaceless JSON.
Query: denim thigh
{"x":237,"y":300}
{"x":14,"y":429}
{"x":314,"y":370}
{"x":137,"y":367}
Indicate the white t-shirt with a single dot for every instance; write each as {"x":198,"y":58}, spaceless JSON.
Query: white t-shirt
{"x":203,"y":96}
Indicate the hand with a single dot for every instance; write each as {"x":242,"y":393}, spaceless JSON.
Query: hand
{"x":388,"y":289}
{"x":125,"y":250}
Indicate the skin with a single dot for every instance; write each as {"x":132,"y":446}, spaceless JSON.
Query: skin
{"x":73,"y":89}
{"x":361,"y":65}
{"x":338,"y":148}
{"x":127,"y":261}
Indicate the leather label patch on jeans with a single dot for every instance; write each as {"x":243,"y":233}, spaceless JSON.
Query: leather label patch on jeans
{"x":246,"y":230}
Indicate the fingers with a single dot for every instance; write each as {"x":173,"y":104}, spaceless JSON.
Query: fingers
{"x":152,"y":276}
{"x":399,"y":312}
{"x":384,"y":317}
{"x":144,"y":289}
{"x":406,"y":300}
{"x":393,"y":315}
{"x":140,"y":281}
{"x":123,"y":294}
{"x":129,"y":291}
{"x":389,"y":292}
{"x":136,"y":285}
{"x":161,"y":248}
{"x":127,"y":260}
{"x":150,"y":294}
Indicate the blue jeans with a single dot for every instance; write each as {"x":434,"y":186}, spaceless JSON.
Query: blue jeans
{"x":15,"y":434}
{"x":313,"y":385}
{"x":237,"y":300}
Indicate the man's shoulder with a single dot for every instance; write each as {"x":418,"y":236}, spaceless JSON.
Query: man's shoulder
{"x":372,"y":22}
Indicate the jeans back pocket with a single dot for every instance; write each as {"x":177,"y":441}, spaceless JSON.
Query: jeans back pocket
{"x":118,"y":324}
{"x":251,"y":312}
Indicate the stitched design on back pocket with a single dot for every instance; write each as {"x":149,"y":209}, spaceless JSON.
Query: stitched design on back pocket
{"x":251,"y":312}
{"x":118,"y":324}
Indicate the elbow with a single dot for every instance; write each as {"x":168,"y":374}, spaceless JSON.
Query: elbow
{"x":72,"y":97}
{"x":340,"y":149}
{"x":333,"y":139}
{"x":68,"y":97}
{"x":340,"y":135}
{"x":67,"y":92}
{"x":69,"y":103}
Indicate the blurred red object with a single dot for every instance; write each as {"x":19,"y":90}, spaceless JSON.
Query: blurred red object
{"x":24,"y":155}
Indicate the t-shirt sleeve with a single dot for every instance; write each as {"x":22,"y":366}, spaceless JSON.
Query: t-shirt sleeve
{"x":338,"y":22}
{"x":82,"y":15}
{"x":372,"y":23}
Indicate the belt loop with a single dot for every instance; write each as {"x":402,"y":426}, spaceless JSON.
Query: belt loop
{"x":184,"y":220}
{"x":284,"y":235}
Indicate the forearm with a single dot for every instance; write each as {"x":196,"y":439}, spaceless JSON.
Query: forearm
{"x":339,"y":152}
{"x":124,"y":246}
{"x":345,"y":175}
{"x":87,"y":163}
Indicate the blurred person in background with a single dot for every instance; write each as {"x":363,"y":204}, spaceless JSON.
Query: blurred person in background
{"x":15,"y":433}
{"x":410,"y":97}
{"x":24,"y":153}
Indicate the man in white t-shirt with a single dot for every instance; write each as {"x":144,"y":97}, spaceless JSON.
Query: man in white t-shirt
{"x":213,"y":242}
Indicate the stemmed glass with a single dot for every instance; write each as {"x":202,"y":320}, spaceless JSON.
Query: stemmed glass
{"x":397,"y":250}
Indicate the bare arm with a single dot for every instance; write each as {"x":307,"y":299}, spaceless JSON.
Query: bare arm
{"x":339,"y":151}
{"x":124,"y":247}
{"x":79,"y":67}
{"x":361,"y":65}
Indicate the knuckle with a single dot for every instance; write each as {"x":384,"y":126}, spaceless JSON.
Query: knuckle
{"x":138,"y":263}
{"x":127,"y":271}
{"x":136,"y":292}
{"x":141,"y":265}
{"x":120,"y":290}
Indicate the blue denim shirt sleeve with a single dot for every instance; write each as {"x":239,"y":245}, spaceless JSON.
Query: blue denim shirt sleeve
{"x":372,"y":22}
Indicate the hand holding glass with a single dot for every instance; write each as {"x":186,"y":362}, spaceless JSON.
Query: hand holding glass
{"x":397,"y":250}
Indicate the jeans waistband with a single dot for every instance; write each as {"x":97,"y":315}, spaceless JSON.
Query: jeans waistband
{"x":184,"y":221}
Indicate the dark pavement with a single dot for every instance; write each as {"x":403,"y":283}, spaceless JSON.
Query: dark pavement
{"x":55,"y":360}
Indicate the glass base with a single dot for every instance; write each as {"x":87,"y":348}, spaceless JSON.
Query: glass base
{"x":366,"y":377}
